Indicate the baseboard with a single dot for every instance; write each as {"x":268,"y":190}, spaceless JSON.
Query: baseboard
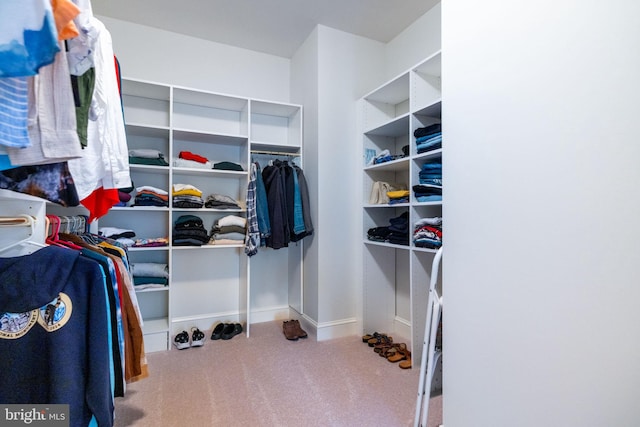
{"x":402,"y":328}
{"x":336,"y":329}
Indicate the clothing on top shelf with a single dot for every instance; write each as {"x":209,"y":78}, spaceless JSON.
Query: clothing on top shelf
{"x":188,"y":230}
{"x":147,"y":156}
{"x":185,"y":163}
{"x":188,"y":155}
{"x":230,"y":166}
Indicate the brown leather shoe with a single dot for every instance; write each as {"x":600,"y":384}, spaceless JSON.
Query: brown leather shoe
{"x":299,"y":331}
{"x":289,"y":329}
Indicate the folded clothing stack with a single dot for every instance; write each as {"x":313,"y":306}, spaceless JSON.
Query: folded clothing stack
{"x":147,"y":156}
{"x":397,"y":232}
{"x":428,"y":138}
{"x":187,"y":159}
{"x":189,"y":231}
{"x":229,"y":230}
{"x":399,"y":229}
{"x":379,"y":234}
{"x":427,"y":233}
{"x":427,"y":193}
{"x":431,"y":173}
{"x":398,"y":196}
{"x":186,"y":196}
{"x":149,"y":275}
{"x":220,"y":201}
{"x":147,"y":195}
{"x":229,"y":166}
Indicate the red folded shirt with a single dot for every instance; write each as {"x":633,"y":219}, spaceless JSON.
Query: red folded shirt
{"x":188,"y":155}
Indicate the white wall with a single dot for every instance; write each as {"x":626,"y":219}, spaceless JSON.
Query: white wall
{"x":328,"y":73}
{"x":161,"y":56}
{"x":304,"y":91}
{"x":415,"y":43}
{"x":348,"y":65}
{"x":541,"y":266}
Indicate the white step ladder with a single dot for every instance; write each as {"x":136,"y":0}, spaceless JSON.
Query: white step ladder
{"x":430,"y":355}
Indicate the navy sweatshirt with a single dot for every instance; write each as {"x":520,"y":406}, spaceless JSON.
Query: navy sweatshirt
{"x":54,"y":345}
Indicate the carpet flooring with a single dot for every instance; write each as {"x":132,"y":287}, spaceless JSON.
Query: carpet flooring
{"x":266,"y":380}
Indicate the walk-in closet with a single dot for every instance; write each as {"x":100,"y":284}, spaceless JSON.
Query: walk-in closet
{"x":335,"y":213}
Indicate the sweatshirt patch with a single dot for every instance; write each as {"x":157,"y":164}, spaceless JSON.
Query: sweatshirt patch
{"x":51,"y":317}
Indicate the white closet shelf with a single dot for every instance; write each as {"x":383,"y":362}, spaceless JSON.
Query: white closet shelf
{"x":396,"y":277}
{"x":218,"y":127}
{"x":397,"y":126}
{"x":205,"y":136}
{"x":392,"y":165}
{"x":386,"y":245}
{"x":153,"y":326}
{"x":150,"y":249}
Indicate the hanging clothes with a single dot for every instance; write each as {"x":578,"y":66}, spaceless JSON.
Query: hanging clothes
{"x":277,"y":205}
{"x":286,"y":204}
{"x":54,"y":323}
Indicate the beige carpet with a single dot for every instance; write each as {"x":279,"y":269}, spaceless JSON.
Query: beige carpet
{"x":266,"y":380}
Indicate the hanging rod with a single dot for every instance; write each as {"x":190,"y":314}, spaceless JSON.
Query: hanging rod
{"x":275,"y":153}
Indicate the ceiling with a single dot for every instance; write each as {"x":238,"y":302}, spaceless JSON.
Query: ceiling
{"x":276,"y":27}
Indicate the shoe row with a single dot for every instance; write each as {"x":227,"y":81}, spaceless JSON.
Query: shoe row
{"x":224,"y":331}
{"x":385,"y":347}
{"x":292,"y":330}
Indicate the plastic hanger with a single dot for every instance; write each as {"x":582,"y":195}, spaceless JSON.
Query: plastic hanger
{"x":22,"y":220}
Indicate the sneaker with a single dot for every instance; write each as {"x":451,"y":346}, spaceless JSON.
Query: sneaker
{"x":181,"y":340}
{"x":197,"y":337}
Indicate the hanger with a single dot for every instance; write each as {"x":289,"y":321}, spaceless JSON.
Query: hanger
{"x":54,"y":239}
{"x":21,"y":220}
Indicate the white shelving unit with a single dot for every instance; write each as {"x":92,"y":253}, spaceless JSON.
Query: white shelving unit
{"x":396,"y":277}
{"x":210,"y":283}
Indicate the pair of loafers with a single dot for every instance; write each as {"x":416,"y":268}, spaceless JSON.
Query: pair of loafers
{"x":226,"y":331}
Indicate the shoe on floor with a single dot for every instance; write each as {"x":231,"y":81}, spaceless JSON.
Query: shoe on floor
{"x":289,"y":330}
{"x":299,"y":331}
{"x":217,"y":331}
{"x":197,"y":337}
{"x":231,"y":330}
{"x":181,"y":340}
